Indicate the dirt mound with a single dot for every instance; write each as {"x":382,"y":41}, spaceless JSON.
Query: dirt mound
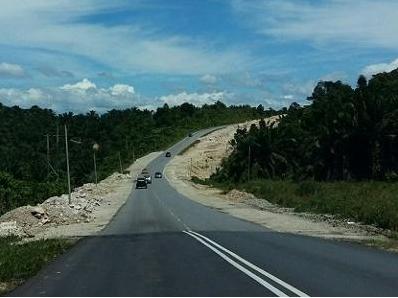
{"x":29,"y":220}
{"x":203,"y":159}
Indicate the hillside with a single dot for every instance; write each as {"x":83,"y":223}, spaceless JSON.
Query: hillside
{"x":32,"y":170}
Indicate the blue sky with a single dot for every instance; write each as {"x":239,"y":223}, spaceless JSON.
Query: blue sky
{"x":93,"y":54}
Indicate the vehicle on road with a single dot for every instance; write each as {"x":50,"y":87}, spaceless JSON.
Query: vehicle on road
{"x":144,"y":171}
{"x":190,"y":134}
{"x":141,"y":182}
{"x":158,"y":175}
{"x":168,"y":154}
{"x":148,"y":178}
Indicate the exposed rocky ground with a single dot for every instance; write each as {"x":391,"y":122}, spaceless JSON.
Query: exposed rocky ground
{"x":91,"y":208}
{"x":206,"y":156}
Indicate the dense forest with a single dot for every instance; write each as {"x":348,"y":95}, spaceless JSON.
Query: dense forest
{"x":343,"y":134}
{"x":32,"y":143}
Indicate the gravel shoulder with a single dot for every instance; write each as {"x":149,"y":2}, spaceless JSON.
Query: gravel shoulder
{"x":92,"y":208}
{"x":205,"y":156}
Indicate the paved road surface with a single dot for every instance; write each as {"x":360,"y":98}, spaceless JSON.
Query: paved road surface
{"x":162,"y":244}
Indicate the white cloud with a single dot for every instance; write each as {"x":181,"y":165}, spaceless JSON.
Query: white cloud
{"x":373,"y":69}
{"x":122,"y":89}
{"x":288,"y":96}
{"x":208,"y":79}
{"x":11,"y":70}
{"x":358,"y":23}
{"x":84,"y":85}
{"x":298,"y":90}
{"x":80,"y":97}
{"x":197,"y":99}
{"x":53,"y":26}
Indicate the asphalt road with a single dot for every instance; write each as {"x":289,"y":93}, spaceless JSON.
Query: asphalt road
{"x":163,"y":244}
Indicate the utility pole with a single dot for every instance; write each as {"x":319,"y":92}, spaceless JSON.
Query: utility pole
{"x":248,"y":166}
{"x":67,"y":165}
{"x":95,"y":148}
{"x":48,"y":155}
{"x":120,"y":163}
{"x":57,"y":138}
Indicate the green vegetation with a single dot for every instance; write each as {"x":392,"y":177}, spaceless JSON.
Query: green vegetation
{"x":26,"y":177}
{"x":344,"y":134}
{"x":372,"y":202}
{"x":337,"y":155}
{"x":19,"y":261}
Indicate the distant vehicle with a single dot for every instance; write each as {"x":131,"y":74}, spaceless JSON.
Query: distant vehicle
{"x":190,"y":134}
{"x":148,"y":178}
{"x":145,"y":171}
{"x":141,"y":183}
{"x":158,"y":175}
{"x":168,"y":154}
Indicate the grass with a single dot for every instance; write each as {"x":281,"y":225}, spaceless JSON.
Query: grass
{"x":369,"y":202}
{"x":19,"y":261}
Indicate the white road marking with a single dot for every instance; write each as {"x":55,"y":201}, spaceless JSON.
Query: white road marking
{"x":254,"y":267}
{"x":240,"y":267}
{"x":170,"y":211}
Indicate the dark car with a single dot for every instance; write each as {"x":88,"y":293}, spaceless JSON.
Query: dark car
{"x":158,"y":175}
{"x":141,"y":183}
{"x":168,"y":154}
{"x":190,"y":134}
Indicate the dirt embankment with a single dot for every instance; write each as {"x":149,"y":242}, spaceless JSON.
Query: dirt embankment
{"x":202,"y":159}
{"x":205,"y":156}
{"x":91,"y":209}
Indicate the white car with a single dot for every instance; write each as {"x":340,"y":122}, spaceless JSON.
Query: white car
{"x":148,"y":179}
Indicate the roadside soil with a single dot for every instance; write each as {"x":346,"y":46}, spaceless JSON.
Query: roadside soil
{"x":202,"y":159}
{"x":92,"y":208}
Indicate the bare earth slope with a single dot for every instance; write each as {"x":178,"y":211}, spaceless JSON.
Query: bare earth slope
{"x":205,"y":156}
{"x":91,"y":209}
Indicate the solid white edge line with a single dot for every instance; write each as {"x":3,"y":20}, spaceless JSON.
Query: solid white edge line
{"x":254,"y":267}
{"x":240,"y":267}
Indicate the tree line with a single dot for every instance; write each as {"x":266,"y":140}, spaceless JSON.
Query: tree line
{"x":32,"y":146}
{"x":344,"y":133}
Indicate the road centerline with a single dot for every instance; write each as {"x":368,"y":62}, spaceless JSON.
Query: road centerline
{"x":215,"y":246}
{"x":254,"y":267}
{"x":250,"y":274}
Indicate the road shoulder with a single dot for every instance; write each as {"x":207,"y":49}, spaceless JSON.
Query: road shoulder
{"x":202,"y":158}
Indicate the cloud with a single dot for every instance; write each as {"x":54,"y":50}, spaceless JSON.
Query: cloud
{"x":197,"y":99}
{"x":11,"y":70}
{"x":298,"y":90}
{"x":105,"y":74}
{"x":208,"y":79}
{"x":82,"y":86}
{"x":60,"y":27}
{"x":245,"y":79}
{"x":79,"y":97}
{"x":334,"y":76}
{"x":373,"y":69}
{"x":289,"y":97}
{"x":364,"y":23}
{"x":51,"y":72}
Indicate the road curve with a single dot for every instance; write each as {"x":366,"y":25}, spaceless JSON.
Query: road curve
{"x":163,"y":244}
